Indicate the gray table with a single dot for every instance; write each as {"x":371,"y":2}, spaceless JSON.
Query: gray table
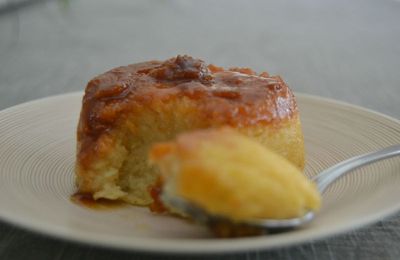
{"x":346,"y":50}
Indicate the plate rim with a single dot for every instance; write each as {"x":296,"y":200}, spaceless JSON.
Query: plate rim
{"x":210,"y":246}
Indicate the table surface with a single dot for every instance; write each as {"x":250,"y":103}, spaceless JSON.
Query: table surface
{"x":345,"y":50}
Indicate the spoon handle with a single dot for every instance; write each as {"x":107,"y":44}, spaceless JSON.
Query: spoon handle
{"x":326,"y":177}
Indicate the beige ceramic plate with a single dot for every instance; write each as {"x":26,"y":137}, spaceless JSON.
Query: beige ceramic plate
{"x":37,"y":163}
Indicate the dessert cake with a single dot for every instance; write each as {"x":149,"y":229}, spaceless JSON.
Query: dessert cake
{"x":129,"y":108}
{"x":232,"y":176}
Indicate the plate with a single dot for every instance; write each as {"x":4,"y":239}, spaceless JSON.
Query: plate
{"x":37,"y":156}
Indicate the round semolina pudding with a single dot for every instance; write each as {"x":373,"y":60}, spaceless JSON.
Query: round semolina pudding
{"x":129,"y":108}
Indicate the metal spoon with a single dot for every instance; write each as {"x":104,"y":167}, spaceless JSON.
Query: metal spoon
{"x":253,"y":226}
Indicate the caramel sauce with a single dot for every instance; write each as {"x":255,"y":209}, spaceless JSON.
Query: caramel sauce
{"x":155,"y":192}
{"x":86,"y":200}
{"x":237,"y":97}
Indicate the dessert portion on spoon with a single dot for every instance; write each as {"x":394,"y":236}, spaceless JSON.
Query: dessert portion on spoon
{"x":237,"y":187}
{"x":226,"y":180}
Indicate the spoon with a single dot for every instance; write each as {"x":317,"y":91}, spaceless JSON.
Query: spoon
{"x":225,"y":227}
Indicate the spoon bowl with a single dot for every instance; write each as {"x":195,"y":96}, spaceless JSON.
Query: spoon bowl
{"x":224,"y":226}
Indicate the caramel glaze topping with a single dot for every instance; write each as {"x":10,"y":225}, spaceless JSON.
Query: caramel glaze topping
{"x":86,"y":200}
{"x":237,"y":96}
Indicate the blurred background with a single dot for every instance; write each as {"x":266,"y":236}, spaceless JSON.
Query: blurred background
{"x":333,"y":48}
{"x":347,"y":50}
